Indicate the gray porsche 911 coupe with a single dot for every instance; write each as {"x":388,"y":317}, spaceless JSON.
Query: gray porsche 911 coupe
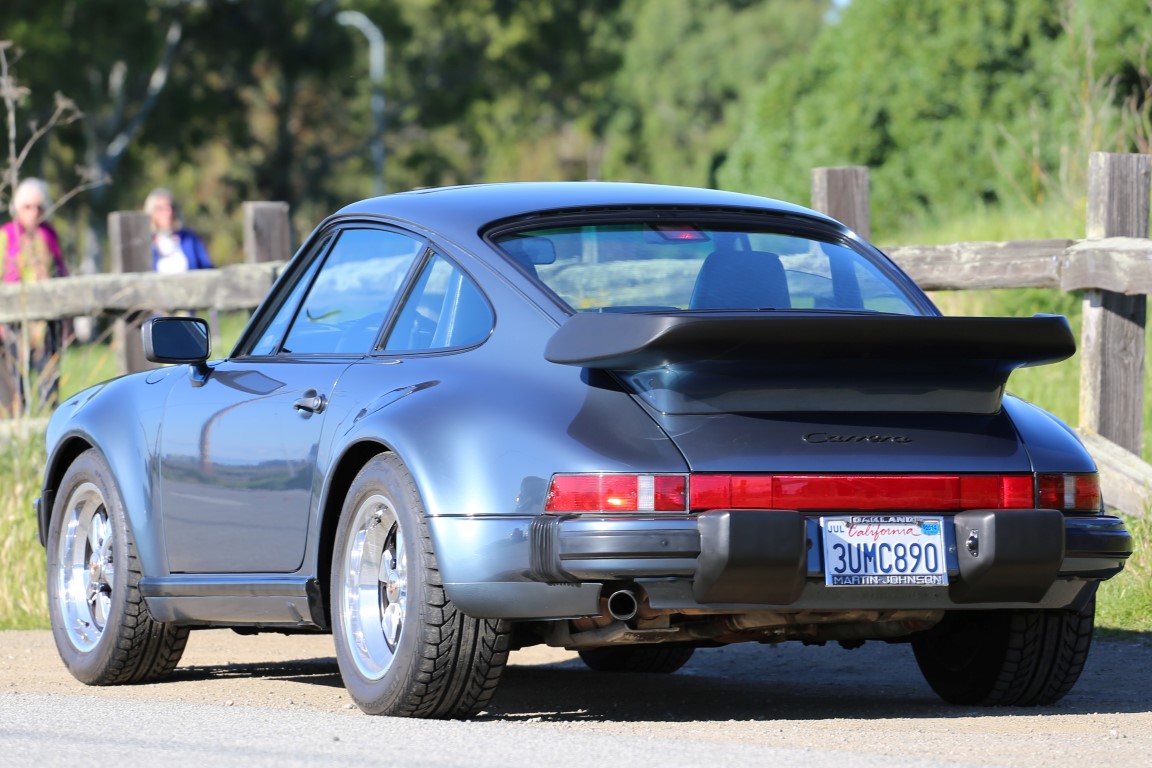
{"x":622,"y":419}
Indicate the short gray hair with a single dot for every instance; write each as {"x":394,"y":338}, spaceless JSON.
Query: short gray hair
{"x":162,"y":193}
{"x":28,"y":187}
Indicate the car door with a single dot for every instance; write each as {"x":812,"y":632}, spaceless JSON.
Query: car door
{"x":240,"y":447}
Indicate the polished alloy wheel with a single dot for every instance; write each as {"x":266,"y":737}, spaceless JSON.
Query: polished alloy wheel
{"x":375,"y":593}
{"x":87,"y":572}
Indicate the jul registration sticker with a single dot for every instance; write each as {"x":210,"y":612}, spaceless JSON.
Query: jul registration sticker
{"x":884,"y":550}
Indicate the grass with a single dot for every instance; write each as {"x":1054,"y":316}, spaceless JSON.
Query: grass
{"x":1125,"y":602}
{"x":22,"y":584}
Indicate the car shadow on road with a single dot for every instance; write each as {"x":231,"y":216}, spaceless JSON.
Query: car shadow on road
{"x":318,"y":671}
{"x":794,"y":682}
{"x":750,"y":682}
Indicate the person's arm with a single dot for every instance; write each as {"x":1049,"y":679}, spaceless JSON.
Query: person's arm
{"x":202,"y":260}
{"x":195,"y":250}
{"x":52,"y":240}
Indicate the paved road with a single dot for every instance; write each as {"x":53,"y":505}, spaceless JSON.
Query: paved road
{"x":274,"y":700}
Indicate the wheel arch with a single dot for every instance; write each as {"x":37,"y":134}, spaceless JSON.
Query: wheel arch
{"x":354,"y":458}
{"x":62,"y":458}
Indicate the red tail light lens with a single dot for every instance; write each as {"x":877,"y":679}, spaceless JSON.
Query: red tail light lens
{"x":1069,"y":493}
{"x":617,"y":493}
{"x":935,"y":493}
{"x":862,"y":492}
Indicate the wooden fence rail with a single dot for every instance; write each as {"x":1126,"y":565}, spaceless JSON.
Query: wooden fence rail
{"x":234,"y":287}
{"x":1117,"y":264}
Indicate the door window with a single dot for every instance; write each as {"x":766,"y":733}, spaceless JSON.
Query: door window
{"x":352,"y":293}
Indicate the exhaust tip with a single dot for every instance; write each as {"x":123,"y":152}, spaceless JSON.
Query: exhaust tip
{"x":623,"y":605}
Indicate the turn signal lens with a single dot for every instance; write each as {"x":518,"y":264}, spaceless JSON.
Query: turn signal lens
{"x":617,"y":493}
{"x":1069,"y":493}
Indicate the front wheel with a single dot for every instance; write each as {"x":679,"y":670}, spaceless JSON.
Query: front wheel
{"x":1013,"y":657}
{"x":402,"y":646}
{"x":100,"y":623}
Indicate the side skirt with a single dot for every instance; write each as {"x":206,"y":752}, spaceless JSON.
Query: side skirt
{"x":236,"y":601}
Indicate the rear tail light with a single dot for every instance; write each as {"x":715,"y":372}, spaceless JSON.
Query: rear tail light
{"x":862,"y":492}
{"x":1069,"y":493}
{"x":617,"y":493}
{"x":929,"y":493}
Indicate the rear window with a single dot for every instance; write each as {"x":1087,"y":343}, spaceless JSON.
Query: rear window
{"x":664,"y":266}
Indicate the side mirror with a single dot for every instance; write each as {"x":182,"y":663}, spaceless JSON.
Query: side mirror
{"x":176,"y":340}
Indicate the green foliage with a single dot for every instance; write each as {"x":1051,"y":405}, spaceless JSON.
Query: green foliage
{"x":949,"y":104}
{"x":953,"y":105}
{"x":686,"y":69}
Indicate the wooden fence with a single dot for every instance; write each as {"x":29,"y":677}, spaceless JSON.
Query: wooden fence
{"x":1112,"y":265}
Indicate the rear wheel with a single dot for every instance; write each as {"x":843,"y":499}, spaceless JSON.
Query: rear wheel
{"x":655,"y":659}
{"x":1017,"y":657}
{"x":101,"y":625}
{"x":402,"y":646}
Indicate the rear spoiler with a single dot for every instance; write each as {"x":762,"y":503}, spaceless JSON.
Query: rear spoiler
{"x":643,"y":341}
{"x":800,"y":361}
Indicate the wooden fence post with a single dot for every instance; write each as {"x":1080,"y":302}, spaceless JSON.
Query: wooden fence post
{"x":1112,"y":336}
{"x":842,"y":193}
{"x":130,"y":237}
{"x":266,"y":232}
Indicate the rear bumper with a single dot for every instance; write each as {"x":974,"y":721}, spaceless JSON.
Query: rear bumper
{"x":773,"y":557}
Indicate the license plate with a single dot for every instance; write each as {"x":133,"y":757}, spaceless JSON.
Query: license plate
{"x":884,"y":550}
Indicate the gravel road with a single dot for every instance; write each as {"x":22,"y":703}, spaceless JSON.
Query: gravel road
{"x":278,"y":700}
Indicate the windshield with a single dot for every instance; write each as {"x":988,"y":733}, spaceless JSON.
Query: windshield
{"x":681,"y":265}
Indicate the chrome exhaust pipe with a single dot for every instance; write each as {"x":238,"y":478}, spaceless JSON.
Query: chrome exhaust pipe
{"x":623,"y":605}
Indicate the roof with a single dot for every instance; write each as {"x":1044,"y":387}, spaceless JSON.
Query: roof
{"x":472,"y":207}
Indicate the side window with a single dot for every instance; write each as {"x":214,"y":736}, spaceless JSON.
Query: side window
{"x":352,"y":293}
{"x":445,"y":310}
{"x":269,"y":339}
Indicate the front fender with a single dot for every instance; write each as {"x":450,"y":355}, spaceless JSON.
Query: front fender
{"x":121,"y":419}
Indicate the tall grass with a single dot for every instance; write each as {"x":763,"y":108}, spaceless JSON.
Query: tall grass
{"x":22,"y":584}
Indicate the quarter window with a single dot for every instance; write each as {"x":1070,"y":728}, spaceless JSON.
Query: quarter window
{"x":445,"y":310}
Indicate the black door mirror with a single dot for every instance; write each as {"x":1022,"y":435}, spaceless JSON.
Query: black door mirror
{"x":176,"y":340}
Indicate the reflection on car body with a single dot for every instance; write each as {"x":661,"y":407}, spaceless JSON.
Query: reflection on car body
{"x":624,"y":419}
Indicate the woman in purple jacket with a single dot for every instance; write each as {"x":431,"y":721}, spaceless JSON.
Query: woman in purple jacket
{"x":174,"y":248}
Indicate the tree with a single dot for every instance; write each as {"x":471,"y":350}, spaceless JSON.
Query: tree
{"x":113,"y":58}
{"x":950,"y":104}
{"x":687,"y":68}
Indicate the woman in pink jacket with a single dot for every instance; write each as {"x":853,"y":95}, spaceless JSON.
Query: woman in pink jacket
{"x":30,"y":249}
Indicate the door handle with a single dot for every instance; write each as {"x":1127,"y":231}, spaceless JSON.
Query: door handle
{"x":312,"y":402}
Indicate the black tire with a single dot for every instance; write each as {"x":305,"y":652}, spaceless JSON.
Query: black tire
{"x":1006,"y":658}
{"x":402,"y":646}
{"x":101,"y":625}
{"x":653,"y":659}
